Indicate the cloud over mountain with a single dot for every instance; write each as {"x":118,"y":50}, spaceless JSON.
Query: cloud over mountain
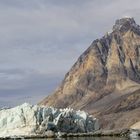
{"x":42,"y":39}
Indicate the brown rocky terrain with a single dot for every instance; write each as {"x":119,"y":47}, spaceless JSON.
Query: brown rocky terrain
{"x":105,"y":80}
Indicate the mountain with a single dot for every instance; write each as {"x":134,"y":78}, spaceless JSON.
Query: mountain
{"x":105,"y":80}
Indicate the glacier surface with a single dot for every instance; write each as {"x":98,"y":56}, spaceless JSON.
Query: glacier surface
{"x":26,"y":120}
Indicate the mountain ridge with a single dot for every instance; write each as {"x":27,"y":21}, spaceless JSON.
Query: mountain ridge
{"x":106,"y":72}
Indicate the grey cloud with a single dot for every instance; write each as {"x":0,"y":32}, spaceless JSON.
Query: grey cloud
{"x":32,"y":87}
{"x":41,"y":39}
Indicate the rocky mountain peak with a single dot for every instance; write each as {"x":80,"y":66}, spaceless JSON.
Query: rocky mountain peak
{"x":124,"y":24}
{"x":106,"y":74}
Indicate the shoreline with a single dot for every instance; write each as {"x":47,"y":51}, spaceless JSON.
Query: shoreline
{"x":99,"y":133}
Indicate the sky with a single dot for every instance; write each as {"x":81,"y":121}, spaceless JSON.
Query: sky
{"x":41,"y":39}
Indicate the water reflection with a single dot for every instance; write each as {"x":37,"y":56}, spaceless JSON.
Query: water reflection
{"x":97,"y":138}
{"x":90,"y":138}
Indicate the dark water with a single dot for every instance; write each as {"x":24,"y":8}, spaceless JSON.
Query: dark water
{"x":92,"y":138}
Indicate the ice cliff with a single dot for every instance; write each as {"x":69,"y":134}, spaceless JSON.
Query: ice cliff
{"x":29,"y":119}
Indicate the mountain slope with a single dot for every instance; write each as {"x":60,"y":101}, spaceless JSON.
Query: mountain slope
{"x":105,"y":76}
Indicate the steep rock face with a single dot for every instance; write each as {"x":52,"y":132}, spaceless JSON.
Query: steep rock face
{"x":108,"y":70}
{"x":26,"y":120}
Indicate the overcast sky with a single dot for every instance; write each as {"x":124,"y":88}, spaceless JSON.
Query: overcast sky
{"x":41,"y":39}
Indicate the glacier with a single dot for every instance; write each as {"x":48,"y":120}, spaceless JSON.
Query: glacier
{"x":26,"y":120}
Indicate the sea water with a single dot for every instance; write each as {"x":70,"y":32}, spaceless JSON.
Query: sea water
{"x":93,"y":138}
